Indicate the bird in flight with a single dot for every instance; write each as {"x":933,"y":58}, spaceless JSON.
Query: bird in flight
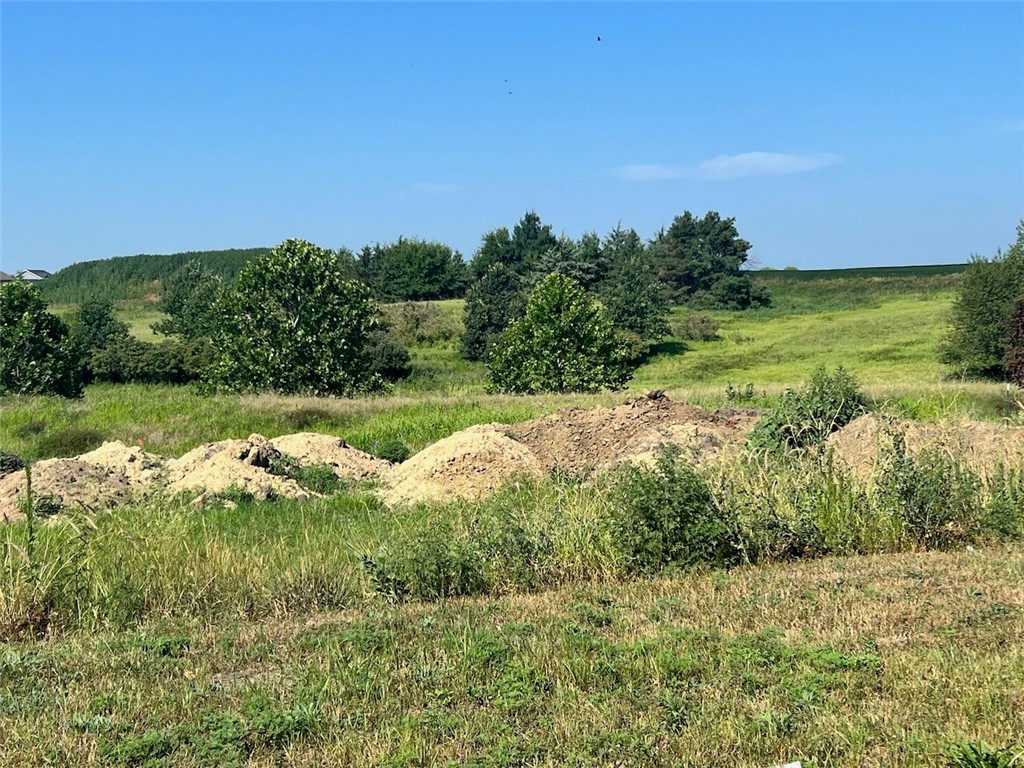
{"x":599,"y":38}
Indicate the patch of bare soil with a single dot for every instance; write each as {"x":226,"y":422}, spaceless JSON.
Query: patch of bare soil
{"x":475,"y":461}
{"x":231,"y":464}
{"x":141,"y":468}
{"x":468,"y":464}
{"x":61,"y":483}
{"x":310,"y":448}
{"x":980,"y":445}
{"x":576,"y":440}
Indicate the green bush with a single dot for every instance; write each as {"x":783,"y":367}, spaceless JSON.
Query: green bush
{"x":394,"y":451}
{"x":698,"y":328}
{"x":388,"y":359}
{"x":419,"y":324}
{"x":170,"y":362}
{"x":667,"y":515}
{"x":805,"y":417}
{"x":563,"y":344}
{"x":318,"y":478}
{"x":38,"y":356}
{"x":935,"y":496}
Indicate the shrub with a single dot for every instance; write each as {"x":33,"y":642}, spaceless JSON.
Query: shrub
{"x":189,"y":299}
{"x":563,"y":344}
{"x":131,"y":360}
{"x":94,"y":325}
{"x":1015,"y":345}
{"x":828,"y":402}
{"x":668,"y":515}
{"x":977,"y":344}
{"x":37,"y":354}
{"x":388,"y":359}
{"x":394,"y":451}
{"x":295,"y":324}
{"x":420,"y":324}
{"x":934,"y":496}
{"x":318,"y":478}
{"x":698,"y":328}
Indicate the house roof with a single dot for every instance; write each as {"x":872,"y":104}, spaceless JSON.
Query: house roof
{"x":34,"y":274}
{"x":5,"y":278}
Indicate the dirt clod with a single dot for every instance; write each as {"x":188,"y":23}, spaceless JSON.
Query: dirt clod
{"x":310,"y":448}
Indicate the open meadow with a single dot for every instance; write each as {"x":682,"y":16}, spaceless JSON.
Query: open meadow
{"x":755,"y":609}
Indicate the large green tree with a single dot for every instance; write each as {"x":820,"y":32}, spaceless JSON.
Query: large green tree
{"x":980,"y":320}
{"x":563,"y":344}
{"x":634,"y":299}
{"x":293,"y":323}
{"x":37,"y":354}
{"x":520,"y":251}
{"x":582,"y":260}
{"x":700,"y":261}
{"x":412,"y":270}
{"x":189,"y":297}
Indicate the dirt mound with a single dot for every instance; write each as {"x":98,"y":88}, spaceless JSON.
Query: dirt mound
{"x":231,"y":464}
{"x":142,"y":469}
{"x":980,"y":445}
{"x":62,"y":483}
{"x":310,"y":448}
{"x":467,"y":464}
{"x":576,"y":440}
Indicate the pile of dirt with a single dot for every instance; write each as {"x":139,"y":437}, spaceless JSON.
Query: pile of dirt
{"x":475,"y":461}
{"x":231,"y":464}
{"x":980,"y":445}
{"x":140,"y":468}
{"x":576,"y":440}
{"x":465,"y":465}
{"x":310,"y":448}
{"x":61,"y":483}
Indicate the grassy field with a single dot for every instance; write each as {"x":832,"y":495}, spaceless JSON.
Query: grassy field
{"x":534,"y":628}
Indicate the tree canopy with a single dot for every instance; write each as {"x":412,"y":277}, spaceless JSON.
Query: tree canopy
{"x":294,"y":324}
{"x":563,"y":344}
{"x":412,"y":270}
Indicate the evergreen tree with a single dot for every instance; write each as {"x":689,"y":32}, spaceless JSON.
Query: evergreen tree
{"x":633,"y":298}
{"x":497,"y":299}
{"x":189,"y":298}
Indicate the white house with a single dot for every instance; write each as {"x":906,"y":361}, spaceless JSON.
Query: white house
{"x":33,"y":275}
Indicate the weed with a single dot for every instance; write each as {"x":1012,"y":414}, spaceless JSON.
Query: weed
{"x":318,"y":478}
{"x":978,"y":754}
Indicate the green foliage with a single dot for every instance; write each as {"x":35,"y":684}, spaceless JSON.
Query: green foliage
{"x":38,"y":356}
{"x":700,"y":262}
{"x":667,"y":515}
{"x":412,"y":270}
{"x":632,"y":296}
{"x":388,"y":359}
{"x":520,"y":251}
{"x":431,"y":565}
{"x":805,"y":417}
{"x":171,"y":362}
{"x":978,"y":754}
{"x":1015,"y":345}
{"x":69,"y":441}
{"x":492,"y":304}
{"x":563,"y":344}
{"x":420,"y":324}
{"x":138,"y":277}
{"x":582,"y":261}
{"x":318,"y":478}
{"x":189,"y":299}
{"x":391,"y":450}
{"x":980,"y":326}
{"x":294,"y":324}
{"x":935,"y":496}
{"x":94,"y":325}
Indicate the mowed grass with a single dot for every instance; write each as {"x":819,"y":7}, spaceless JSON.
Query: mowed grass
{"x":871,"y":661}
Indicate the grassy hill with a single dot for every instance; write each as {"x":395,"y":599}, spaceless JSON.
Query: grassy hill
{"x":137,"y":278}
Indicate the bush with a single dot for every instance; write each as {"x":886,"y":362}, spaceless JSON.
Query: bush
{"x":934,"y":496}
{"x":828,"y":402}
{"x":698,"y":328}
{"x":394,"y":451}
{"x":294,"y":324}
{"x":563,"y":344}
{"x":388,"y":359}
{"x":978,"y":340}
{"x":37,"y":354}
{"x":94,"y":325}
{"x":130,"y":360}
{"x":318,"y":478}
{"x":668,"y":515}
{"x":1015,"y":345}
{"x":420,"y":324}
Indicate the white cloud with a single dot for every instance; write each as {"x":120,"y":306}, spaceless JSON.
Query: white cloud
{"x":748,"y":164}
{"x":725,"y":167}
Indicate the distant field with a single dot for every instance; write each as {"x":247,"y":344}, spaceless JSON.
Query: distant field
{"x":926,"y":270}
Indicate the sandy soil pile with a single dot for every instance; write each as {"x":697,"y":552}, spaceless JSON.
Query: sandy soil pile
{"x":980,"y":445}
{"x":577,"y":440}
{"x":310,"y":448}
{"x":62,"y":483}
{"x":142,"y":469}
{"x":475,"y":461}
{"x":468,"y":464}
{"x":216,"y":467}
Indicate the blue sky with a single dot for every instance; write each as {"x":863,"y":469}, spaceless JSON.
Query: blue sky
{"x":836,"y":134}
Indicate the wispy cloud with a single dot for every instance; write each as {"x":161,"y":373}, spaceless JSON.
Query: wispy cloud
{"x":763,"y":164}
{"x":726,"y":167}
